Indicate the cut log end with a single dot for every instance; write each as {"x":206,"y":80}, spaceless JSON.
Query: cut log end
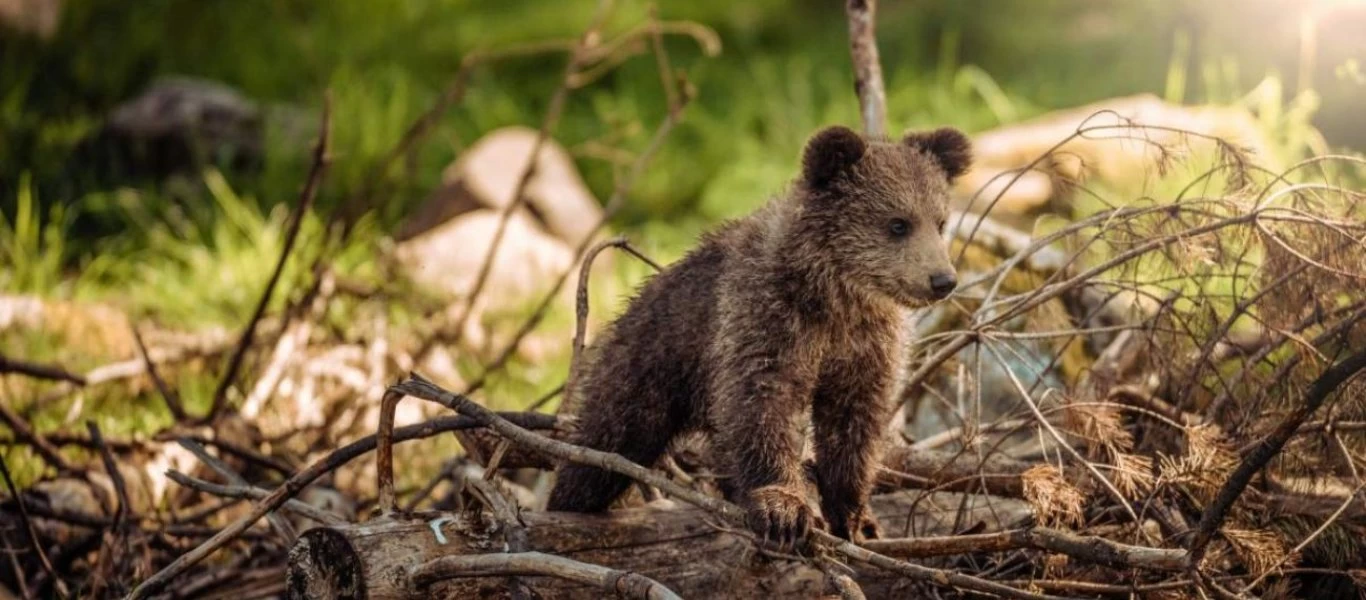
{"x":324,"y":564}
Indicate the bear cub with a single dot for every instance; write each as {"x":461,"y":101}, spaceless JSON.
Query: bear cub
{"x":793,"y":312}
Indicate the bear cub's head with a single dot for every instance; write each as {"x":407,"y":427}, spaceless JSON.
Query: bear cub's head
{"x":879,"y":209}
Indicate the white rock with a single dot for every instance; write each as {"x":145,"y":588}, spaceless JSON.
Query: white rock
{"x":492,"y":167}
{"x":447,"y":259}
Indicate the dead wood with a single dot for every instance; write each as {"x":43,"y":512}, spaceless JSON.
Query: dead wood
{"x":685,"y":549}
{"x":40,"y":371}
{"x":872,"y":95}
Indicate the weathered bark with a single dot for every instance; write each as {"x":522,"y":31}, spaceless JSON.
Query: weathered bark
{"x":872,"y":96}
{"x":682,"y":548}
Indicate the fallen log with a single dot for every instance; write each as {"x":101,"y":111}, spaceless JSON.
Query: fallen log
{"x":683,"y":549}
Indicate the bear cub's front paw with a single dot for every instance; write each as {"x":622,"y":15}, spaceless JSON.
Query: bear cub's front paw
{"x":856,"y":527}
{"x":780,"y":514}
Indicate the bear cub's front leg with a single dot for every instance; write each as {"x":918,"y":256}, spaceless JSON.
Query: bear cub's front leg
{"x":780,"y":513}
{"x":849,"y":413}
{"x":763,"y":383}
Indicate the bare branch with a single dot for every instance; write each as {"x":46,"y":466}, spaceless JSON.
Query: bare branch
{"x":280,"y":525}
{"x":254,"y":493}
{"x":630,"y":585}
{"x":24,"y":432}
{"x":38,"y":371}
{"x":1323,"y":387}
{"x":588,"y":39}
{"x":296,"y":220}
{"x":868,"y":85}
{"x":169,"y":395}
{"x":614,"y":204}
{"x":120,"y":486}
{"x":581,"y":306}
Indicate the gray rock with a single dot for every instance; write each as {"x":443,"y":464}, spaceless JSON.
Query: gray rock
{"x":178,"y":125}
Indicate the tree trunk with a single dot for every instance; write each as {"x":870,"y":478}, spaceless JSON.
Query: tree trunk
{"x":678,"y":546}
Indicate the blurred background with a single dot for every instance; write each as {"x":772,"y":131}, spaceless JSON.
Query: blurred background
{"x":782,"y":70}
{"x":150,"y":151}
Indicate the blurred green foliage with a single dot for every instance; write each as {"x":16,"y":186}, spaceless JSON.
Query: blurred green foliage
{"x":783,"y":70}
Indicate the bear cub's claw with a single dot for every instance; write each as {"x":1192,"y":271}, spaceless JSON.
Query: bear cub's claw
{"x":860,"y":526}
{"x":780,"y":515}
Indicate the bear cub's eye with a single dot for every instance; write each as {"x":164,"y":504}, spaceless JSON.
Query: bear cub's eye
{"x":942,"y":222}
{"x":899,"y":228}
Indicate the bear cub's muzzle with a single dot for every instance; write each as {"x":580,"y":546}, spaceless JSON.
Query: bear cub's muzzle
{"x":943,"y":284}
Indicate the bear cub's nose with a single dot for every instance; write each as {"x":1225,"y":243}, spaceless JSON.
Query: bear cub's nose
{"x":942,"y":284}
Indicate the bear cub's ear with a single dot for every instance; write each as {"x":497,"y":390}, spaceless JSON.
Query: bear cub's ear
{"x":830,"y":152}
{"x":948,"y":146}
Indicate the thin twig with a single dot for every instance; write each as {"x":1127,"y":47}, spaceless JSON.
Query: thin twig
{"x":114,"y":541}
{"x":38,"y":371}
{"x":445,"y":473}
{"x":624,"y":583}
{"x":666,"y":72}
{"x":546,"y":398}
{"x":552,"y":117}
{"x":351,"y":210}
{"x":614,"y":204}
{"x":384,"y":473}
{"x":581,"y":307}
{"x":125,"y":507}
{"x":254,"y":493}
{"x":927,"y":574}
{"x":296,"y":220}
{"x":25,"y":433}
{"x":1028,"y":400}
{"x":278,"y":522}
{"x":32,"y":533}
{"x":356,"y":205}
{"x":1352,"y":497}
{"x":169,"y":395}
{"x":57,"y":439}
{"x":209,"y":347}
{"x":1088,"y":548}
{"x":13,"y":557}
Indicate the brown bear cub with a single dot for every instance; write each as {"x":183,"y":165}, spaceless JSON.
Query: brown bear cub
{"x":797,"y":307}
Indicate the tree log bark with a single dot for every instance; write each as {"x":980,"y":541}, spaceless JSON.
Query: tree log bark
{"x":680,"y":547}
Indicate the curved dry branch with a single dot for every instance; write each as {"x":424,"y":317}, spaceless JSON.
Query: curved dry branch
{"x":624,"y":583}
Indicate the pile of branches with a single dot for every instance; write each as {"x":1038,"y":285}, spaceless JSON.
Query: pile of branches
{"x":1155,"y":400}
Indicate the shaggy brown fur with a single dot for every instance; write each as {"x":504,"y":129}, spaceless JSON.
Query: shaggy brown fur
{"x":798,"y":307}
